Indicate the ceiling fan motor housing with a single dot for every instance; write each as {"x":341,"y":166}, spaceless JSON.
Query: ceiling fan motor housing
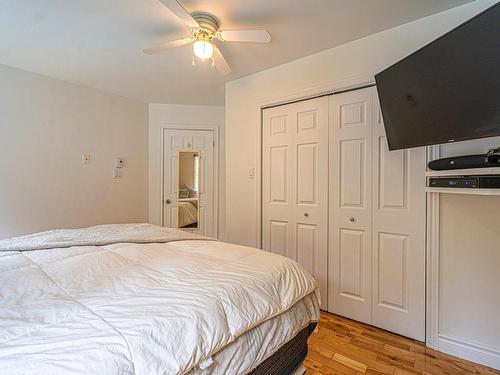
{"x":209,"y":25}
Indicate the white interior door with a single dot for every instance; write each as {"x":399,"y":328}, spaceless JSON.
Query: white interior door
{"x":175,"y":140}
{"x":350,"y":204}
{"x":398,"y":235}
{"x":295,"y":185}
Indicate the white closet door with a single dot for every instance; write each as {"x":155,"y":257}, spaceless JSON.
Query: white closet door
{"x":398,"y":236}
{"x":350,"y":204}
{"x":175,"y":140}
{"x":295,"y":185}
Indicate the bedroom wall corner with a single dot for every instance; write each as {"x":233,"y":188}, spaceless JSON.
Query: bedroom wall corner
{"x":46,"y":127}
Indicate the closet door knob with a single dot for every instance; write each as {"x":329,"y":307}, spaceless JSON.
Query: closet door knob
{"x":306,"y":214}
{"x":352,"y":219}
{"x":168,"y":201}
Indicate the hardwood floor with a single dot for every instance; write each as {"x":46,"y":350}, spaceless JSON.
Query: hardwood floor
{"x":343,"y":346}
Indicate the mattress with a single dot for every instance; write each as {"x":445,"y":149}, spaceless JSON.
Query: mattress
{"x":249,"y":351}
{"x":145,"y":300}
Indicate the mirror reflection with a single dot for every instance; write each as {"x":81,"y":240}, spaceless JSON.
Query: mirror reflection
{"x":188,"y":183}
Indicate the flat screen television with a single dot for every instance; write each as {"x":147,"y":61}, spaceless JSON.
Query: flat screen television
{"x":447,"y":91}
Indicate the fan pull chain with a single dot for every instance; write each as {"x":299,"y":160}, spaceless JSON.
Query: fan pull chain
{"x":213,"y":61}
{"x":193,"y":61}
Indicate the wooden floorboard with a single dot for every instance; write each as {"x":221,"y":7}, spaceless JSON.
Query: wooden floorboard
{"x":343,"y":346}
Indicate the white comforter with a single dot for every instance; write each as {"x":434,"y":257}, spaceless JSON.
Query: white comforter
{"x":137,"y":308}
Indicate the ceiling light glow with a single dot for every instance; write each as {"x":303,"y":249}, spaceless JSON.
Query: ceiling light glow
{"x":203,"y":49}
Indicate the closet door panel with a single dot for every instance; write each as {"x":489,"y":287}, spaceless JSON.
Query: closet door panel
{"x":278,"y":174}
{"x":398,"y":241}
{"x":350,"y":204}
{"x":295,"y":185}
{"x":392,"y":271}
{"x":278,"y":237}
{"x":277,"y":182}
{"x":307,"y":173}
{"x":311,"y":189}
{"x":352,"y":267}
{"x":377,"y":213}
{"x":307,"y":247}
{"x":393,"y":174}
{"x":352,"y":173}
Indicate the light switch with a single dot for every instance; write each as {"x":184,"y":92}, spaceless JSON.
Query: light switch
{"x":117,"y":172}
{"x":86,"y":159}
{"x":120,"y":163}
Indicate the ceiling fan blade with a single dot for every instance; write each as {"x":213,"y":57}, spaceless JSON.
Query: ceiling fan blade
{"x":257,"y":36}
{"x":220,"y":62}
{"x":177,"y":9}
{"x":168,"y":45}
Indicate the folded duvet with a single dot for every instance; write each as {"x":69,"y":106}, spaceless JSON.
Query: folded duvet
{"x":129,"y":302}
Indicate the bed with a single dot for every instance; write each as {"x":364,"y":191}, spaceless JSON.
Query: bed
{"x":140,"y":299}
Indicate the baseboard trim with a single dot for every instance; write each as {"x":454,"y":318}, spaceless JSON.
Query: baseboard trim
{"x":470,"y":351}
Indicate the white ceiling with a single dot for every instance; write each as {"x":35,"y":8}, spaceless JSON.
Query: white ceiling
{"x":98,"y":43}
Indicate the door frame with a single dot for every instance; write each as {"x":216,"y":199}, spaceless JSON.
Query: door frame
{"x":432,"y":219}
{"x":201,"y":127}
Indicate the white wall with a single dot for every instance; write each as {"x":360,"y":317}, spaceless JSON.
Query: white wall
{"x":469,"y":295}
{"x":342,"y":66}
{"x":469,"y":259}
{"x":173,"y":114}
{"x":46,"y":126}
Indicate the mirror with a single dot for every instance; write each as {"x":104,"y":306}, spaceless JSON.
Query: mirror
{"x":188,"y":183}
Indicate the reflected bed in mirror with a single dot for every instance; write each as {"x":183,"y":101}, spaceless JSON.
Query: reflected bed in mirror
{"x":188,"y":187}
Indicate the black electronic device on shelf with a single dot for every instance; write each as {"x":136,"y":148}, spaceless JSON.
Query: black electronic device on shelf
{"x":489,"y":160}
{"x":466,"y":182}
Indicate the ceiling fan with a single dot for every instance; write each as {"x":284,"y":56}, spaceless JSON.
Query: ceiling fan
{"x":204,"y":28}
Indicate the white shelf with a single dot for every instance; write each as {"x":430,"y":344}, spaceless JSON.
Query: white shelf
{"x":463,"y":172}
{"x":463,"y":191}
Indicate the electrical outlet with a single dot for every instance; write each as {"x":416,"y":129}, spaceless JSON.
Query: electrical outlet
{"x":251,"y":173}
{"x":86,"y":159}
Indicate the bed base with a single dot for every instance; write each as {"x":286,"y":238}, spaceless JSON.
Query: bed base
{"x":301,"y":370}
{"x":288,"y":360}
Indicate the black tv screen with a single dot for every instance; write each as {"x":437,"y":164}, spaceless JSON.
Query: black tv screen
{"x":447,"y":91}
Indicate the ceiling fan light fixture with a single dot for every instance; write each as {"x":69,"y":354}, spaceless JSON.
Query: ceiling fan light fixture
{"x":204,"y":28}
{"x":203,"y":49}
